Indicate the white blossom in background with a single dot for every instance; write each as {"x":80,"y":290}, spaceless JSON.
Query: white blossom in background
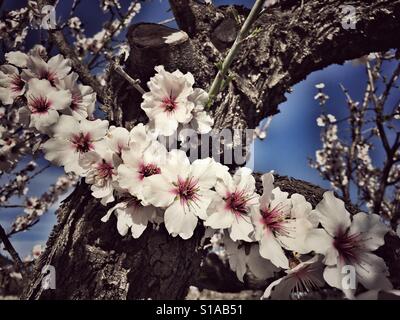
{"x":167,"y":104}
{"x":235,"y":196}
{"x":323,"y":120}
{"x":83,"y":97}
{"x":184,"y":190}
{"x":44,"y":102}
{"x":71,"y":139}
{"x":345,"y":241}
{"x":303,"y":278}
{"x":132,"y":215}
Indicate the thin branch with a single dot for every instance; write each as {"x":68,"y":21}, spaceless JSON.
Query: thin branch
{"x":13,"y":253}
{"x":134,"y":83}
{"x":254,"y":13}
{"x":109,"y":37}
{"x":12,"y":206}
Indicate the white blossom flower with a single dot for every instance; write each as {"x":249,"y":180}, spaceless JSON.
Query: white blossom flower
{"x":72,"y":138}
{"x":244,"y":257}
{"x":11,"y":84}
{"x":53,"y":70}
{"x":138,"y":165}
{"x":201,"y":122}
{"x":131,"y":214}
{"x":232,"y":204}
{"x":118,"y":140}
{"x":167,"y":104}
{"x":349,"y":242}
{"x":281,"y":223}
{"x":183,"y":189}
{"x":140,"y":137}
{"x":100,"y":171}
{"x":37,"y":250}
{"x":323,"y":120}
{"x":44,"y":101}
{"x":303,"y":278}
{"x":83,"y":97}
{"x":17,"y":58}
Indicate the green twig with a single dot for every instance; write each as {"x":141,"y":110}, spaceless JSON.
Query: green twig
{"x":223,"y":70}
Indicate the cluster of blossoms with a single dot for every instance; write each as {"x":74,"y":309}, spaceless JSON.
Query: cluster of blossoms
{"x":349,"y":145}
{"x":148,"y":184}
{"x":35,"y":207}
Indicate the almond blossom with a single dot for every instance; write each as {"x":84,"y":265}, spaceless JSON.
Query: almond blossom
{"x":303,"y":278}
{"x":55,"y":69}
{"x":132,"y":214}
{"x":118,"y":140}
{"x":167,"y":104}
{"x":83,"y":97}
{"x":17,"y":58}
{"x":20,"y":59}
{"x":44,"y":101}
{"x":231,"y":206}
{"x":138,"y":165}
{"x":345,"y":241}
{"x":201,"y":122}
{"x":71,"y":139}
{"x":11,"y":84}
{"x":184,"y":190}
{"x":100,"y":171}
{"x":281,"y":222}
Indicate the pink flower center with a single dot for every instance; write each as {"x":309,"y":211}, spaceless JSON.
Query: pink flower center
{"x":48,"y":75}
{"x":17,"y":84}
{"x":187,"y":190}
{"x":237,"y":202}
{"x":348,"y":245}
{"x":82,"y":142}
{"x":76,"y":101}
{"x":39,"y":105}
{"x":105,"y":170}
{"x":274,"y":219}
{"x":169,"y":103}
{"x":147,"y":170}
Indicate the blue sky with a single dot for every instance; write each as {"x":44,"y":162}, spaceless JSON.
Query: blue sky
{"x":293,"y":136}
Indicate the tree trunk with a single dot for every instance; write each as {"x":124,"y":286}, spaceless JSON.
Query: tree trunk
{"x":91,"y":259}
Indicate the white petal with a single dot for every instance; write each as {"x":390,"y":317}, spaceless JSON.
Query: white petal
{"x":241,"y":229}
{"x":268,"y":185}
{"x":179,"y":222}
{"x":157,"y":191}
{"x":270,"y":249}
{"x":332,"y":214}
{"x":372,"y":272}
{"x":371,"y":227}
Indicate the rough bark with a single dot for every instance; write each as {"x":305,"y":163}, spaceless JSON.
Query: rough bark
{"x":93,"y":261}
